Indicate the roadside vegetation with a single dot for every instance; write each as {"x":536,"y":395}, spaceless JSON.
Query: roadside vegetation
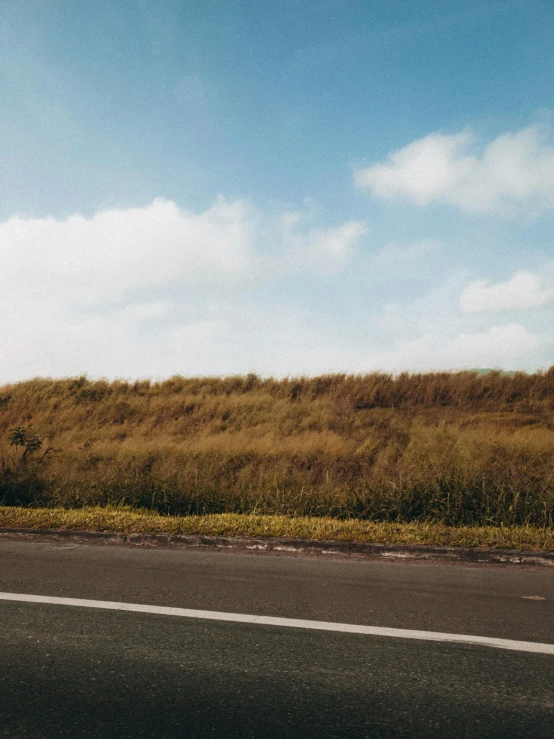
{"x":129,"y":521}
{"x":451,"y":449}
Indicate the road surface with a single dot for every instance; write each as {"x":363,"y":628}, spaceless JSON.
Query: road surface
{"x":73,"y":670}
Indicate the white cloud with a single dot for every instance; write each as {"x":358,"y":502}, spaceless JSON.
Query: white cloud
{"x":515,"y":171}
{"x":524,"y":290}
{"x":83,"y":260}
{"x":326,"y":250}
{"x":117,"y":253}
{"x":146,"y":311}
{"x":156,"y":290}
{"x":431,"y":333}
{"x":331,"y":248}
{"x":497,"y":346}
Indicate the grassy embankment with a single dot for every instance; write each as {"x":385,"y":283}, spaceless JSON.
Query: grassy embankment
{"x":364,"y":457}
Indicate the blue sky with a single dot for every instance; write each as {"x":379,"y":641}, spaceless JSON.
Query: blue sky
{"x":279,"y":187}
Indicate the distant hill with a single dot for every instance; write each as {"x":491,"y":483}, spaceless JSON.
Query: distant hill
{"x":486,"y":370}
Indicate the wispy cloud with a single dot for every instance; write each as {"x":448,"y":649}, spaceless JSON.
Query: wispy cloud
{"x":325,"y":250}
{"x":395,"y":254}
{"x":433,"y":333}
{"x":513,"y":173}
{"x":501,"y":345}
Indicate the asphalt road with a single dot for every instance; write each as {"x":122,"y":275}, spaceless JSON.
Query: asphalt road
{"x":68,"y":672}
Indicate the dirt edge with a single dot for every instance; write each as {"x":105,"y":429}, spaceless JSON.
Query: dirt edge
{"x":423,"y":552}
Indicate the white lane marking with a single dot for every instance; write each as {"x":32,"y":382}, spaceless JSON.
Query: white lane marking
{"x":533,"y":597}
{"x":295,"y":623}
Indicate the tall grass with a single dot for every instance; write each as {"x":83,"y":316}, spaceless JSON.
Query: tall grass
{"x":458,"y":448}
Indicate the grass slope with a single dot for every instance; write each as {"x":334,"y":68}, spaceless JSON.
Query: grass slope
{"x":460,"y":449}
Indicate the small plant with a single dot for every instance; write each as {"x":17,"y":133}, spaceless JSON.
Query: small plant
{"x":20,"y":483}
{"x":21,"y":437}
{"x":28,"y":442}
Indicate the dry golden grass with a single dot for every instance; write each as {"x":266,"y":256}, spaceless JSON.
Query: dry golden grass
{"x":461,"y":449}
{"x":118,"y":520}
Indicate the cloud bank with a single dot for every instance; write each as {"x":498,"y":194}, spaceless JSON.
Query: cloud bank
{"x":158,"y":289}
{"x":123,"y":250}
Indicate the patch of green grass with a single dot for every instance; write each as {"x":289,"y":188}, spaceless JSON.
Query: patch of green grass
{"x":127,"y":520}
